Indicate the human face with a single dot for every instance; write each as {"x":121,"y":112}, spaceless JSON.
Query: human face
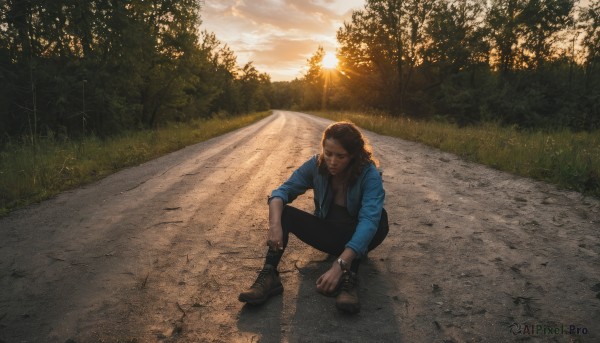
{"x":335,"y":156}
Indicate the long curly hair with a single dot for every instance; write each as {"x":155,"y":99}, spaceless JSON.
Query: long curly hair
{"x":352,"y":140}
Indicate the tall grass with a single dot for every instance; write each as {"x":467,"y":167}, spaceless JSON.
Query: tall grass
{"x":31,"y":173}
{"x":568,"y":159}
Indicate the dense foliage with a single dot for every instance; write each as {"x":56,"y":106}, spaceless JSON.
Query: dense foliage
{"x":71,"y":67}
{"x":531,"y":63}
{"x":68,"y":68}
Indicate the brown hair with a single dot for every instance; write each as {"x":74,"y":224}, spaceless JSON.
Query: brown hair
{"x":352,"y":140}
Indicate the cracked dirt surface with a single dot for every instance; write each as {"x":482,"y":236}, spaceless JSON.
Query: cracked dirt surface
{"x":159,"y":252}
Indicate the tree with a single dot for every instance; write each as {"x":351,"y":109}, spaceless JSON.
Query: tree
{"x":102,"y":66}
{"x":455,"y":54}
{"x":590,"y":100}
{"x":542,"y":21}
{"x":456,"y":37}
{"x":286,"y":94}
{"x":524,"y":32}
{"x":590,"y":23}
{"x":314,"y":81}
{"x":380,"y":49}
{"x":253,"y":89}
{"x":503,"y":24}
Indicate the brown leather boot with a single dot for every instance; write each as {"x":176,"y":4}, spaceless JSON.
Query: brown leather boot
{"x":267,"y":284}
{"x":347,"y":299}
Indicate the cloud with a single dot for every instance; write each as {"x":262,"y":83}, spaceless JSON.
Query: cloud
{"x":277,"y":35}
{"x":284,"y":56}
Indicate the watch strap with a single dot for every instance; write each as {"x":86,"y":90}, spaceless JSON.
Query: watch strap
{"x":343,"y":264}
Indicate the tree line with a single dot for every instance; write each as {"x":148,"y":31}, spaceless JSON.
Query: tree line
{"x":70,"y":68}
{"x":530,"y":63}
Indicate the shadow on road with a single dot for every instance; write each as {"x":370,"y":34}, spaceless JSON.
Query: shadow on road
{"x":263,"y":322}
{"x":308,"y":316}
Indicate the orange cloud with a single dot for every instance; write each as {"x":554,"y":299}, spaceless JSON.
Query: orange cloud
{"x":278,"y":36}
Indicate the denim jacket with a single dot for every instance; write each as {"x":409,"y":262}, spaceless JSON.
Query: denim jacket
{"x":364,"y":199}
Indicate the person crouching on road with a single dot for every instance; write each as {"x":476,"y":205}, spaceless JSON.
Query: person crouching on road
{"x":349,"y":219}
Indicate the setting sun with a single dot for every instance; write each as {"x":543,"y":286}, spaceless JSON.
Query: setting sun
{"x":330,"y":61}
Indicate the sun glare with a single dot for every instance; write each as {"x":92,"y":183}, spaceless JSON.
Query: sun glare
{"x":329,"y":61}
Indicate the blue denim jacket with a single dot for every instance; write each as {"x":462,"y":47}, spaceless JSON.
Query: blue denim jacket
{"x":364,"y":199}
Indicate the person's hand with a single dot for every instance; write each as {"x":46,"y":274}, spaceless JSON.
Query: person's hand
{"x":329,"y":281}
{"x":275,"y":238}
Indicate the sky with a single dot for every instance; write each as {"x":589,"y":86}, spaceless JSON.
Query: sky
{"x":277,"y":36}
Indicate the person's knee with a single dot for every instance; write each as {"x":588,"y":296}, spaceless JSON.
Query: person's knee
{"x":382,"y":231}
{"x":384,"y":225}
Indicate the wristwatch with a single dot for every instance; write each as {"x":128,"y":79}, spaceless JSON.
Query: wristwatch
{"x":343,"y":264}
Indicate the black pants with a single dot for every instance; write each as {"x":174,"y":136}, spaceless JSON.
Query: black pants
{"x":322,"y":235}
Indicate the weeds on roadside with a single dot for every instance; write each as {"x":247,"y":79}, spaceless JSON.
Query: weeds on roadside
{"x":568,"y":159}
{"x":31,"y":173}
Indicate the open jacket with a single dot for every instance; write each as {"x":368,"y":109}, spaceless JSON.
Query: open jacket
{"x":364,"y":198}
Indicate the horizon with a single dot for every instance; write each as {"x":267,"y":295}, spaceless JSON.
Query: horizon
{"x":276,"y":42}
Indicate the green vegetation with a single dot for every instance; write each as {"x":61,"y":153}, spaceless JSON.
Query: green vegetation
{"x":91,"y":87}
{"x":85,"y":85}
{"x":72,"y":68}
{"x":535,"y":64}
{"x":567,"y":159}
{"x":30,"y":173}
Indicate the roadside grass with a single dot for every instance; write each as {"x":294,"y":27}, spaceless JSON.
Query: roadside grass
{"x":31,"y":173}
{"x":568,"y":159}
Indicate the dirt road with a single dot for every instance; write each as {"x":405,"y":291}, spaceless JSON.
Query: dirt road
{"x":159,"y":252}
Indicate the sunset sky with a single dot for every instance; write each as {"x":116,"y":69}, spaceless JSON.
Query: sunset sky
{"x":277,"y":35}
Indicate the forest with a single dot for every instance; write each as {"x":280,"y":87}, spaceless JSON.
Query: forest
{"x":70,"y":68}
{"x":522,"y":63}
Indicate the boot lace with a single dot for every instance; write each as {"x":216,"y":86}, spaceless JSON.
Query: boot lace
{"x":348,"y":282}
{"x":261,"y":280}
